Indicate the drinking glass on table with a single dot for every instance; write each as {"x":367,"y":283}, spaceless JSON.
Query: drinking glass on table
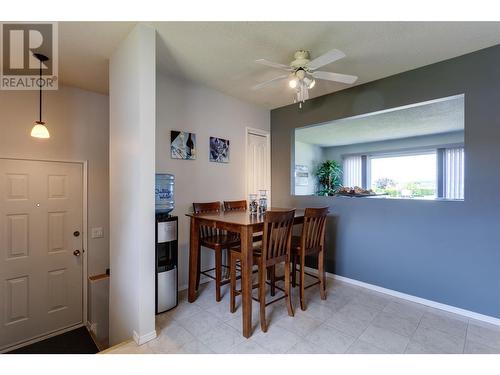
{"x":253,"y":204}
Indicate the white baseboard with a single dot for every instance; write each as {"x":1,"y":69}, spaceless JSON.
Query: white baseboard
{"x":139,"y":340}
{"x":409,"y":297}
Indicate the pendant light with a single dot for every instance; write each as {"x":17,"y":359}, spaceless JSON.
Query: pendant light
{"x":39,"y":129}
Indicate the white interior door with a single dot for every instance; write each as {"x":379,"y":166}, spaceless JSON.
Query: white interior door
{"x":258,"y":164}
{"x":41,"y":277}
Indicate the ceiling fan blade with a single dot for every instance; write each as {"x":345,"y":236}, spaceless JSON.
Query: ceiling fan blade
{"x":274,"y":65}
{"x":325,"y":59}
{"x":337,"y":77}
{"x":263,"y":84}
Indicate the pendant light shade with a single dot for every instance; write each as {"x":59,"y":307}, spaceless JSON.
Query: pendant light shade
{"x":40,"y":130}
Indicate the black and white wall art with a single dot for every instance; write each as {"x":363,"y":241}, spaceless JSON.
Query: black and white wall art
{"x":219,"y":150}
{"x":182,"y":145}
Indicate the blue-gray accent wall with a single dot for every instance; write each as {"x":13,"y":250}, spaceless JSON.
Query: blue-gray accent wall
{"x":445,"y":251}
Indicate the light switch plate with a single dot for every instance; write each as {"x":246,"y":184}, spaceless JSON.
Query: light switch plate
{"x":97,"y":232}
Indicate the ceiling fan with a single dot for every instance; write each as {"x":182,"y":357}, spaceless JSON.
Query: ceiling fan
{"x":303,"y":73}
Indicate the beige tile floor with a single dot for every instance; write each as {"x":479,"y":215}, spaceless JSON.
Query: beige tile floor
{"x":351,"y":320}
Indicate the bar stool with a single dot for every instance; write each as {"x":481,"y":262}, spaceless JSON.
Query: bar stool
{"x":274,"y":249}
{"x":311,"y":242}
{"x":217,"y":240}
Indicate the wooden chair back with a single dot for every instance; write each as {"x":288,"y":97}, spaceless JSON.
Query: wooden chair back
{"x":277,"y":236}
{"x":313,"y":230}
{"x":207,"y":208}
{"x":235,"y":205}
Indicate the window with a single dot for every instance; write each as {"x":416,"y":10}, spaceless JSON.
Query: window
{"x":428,"y":174}
{"x":414,"y":151}
{"x":406,"y":175}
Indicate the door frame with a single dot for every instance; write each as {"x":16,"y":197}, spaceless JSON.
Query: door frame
{"x":84,"y":164}
{"x":263,"y":133}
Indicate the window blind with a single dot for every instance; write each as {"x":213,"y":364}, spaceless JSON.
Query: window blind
{"x":454,"y":173}
{"x":352,"y":166}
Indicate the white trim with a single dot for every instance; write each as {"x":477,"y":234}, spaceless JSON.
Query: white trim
{"x":111,"y":348}
{"x":85,"y":242}
{"x":85,"y":275}
{"x":139,"y":340}
{"x":267,"y":134}
{"x":40,"y":338}
{"x":402,"y":152}
{"x":44,"y":159}
{"x":264,"y":133}
{"x":409,"y":297}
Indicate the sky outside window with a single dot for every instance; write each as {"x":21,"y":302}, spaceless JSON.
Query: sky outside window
{"x":406,"y":175}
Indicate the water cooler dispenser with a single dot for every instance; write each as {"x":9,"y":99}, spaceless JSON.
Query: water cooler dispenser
{"x":166,"y":262}
{"x":166,"y":244}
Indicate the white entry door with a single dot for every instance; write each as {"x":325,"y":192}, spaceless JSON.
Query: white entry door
{"x":41,"y":255}
{"x":258,"y":163}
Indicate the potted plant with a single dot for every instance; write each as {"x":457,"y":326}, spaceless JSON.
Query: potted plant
{"x":329,"y":174}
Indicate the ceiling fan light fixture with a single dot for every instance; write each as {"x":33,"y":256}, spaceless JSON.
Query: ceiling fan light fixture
{"x":310,"y":83}
{"x":303,"y":72}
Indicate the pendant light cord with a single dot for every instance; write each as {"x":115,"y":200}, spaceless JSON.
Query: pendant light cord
{"x":40,"y":87}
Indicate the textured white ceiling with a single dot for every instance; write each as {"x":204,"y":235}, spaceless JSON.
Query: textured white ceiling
{"x":221,"y":55}
{"x":84,"y":51}
{"x":411,"y":121}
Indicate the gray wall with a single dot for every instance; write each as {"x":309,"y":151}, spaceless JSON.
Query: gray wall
{"x":439,"y":250}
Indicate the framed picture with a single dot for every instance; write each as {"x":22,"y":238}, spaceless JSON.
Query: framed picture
{"x":182,"y":145}
{"x":219,"y":150}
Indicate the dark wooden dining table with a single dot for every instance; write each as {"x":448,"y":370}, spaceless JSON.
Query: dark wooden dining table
{"x":246,"y":225}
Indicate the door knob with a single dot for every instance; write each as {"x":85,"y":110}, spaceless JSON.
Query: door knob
{"x":76,"y":233}
{"x":76,"y":253}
